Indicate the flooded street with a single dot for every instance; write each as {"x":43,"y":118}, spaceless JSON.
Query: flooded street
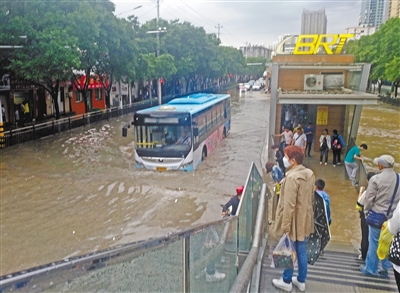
{"x":379,"y":129}
{"x":80,"y":192}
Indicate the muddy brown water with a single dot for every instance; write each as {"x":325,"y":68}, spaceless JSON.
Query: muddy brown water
{"x":79,"y":192}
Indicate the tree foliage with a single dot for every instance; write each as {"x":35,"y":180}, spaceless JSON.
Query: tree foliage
{"x":381,"y":50}
{"x":65,"y":40}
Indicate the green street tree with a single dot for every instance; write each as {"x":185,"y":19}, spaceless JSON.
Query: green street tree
{"x":382,"y":51}
{"x":48,"y":54}
{"x":89,"y":23}
{"x":119,"y":62}
{"x":196,"y":52}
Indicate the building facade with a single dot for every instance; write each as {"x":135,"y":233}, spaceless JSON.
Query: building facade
{"x":313,"y":22}
{"x":394,"y":8}
{"x":373,"y":13}
{"x":360,"y":31}
{"x":256,"y":51}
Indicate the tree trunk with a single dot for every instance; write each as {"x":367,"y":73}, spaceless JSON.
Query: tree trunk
{"x":379,"y":86}
{"x":187,"y":83}
{"x":54,"y":96}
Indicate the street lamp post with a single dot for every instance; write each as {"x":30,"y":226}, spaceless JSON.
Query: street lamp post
{"x":160,"y":30}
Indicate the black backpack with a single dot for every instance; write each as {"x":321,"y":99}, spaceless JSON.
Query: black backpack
{"x":336,"y":144}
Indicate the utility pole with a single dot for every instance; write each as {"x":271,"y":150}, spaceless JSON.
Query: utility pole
{"x":219,"y":27}
{"x":157,"y":54}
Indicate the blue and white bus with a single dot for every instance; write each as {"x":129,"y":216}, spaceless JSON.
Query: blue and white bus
{"x":180,"y":134}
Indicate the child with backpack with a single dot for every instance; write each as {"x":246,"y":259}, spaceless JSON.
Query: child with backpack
{"x":319,"y":188}
{"x":338,"y":144}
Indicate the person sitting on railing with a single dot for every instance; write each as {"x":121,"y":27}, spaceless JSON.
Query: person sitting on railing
{"x":233,"y":202}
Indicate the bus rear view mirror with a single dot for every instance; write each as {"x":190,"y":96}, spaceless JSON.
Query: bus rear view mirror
{"x":124,"y":131}
{"x":195,"y":131}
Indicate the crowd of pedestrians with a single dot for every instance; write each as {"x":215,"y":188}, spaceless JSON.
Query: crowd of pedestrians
{"x":295,"y":183}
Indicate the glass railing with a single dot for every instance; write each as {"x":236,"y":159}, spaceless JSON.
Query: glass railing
{"x":199,"y":259}
{"x":248,"y":209}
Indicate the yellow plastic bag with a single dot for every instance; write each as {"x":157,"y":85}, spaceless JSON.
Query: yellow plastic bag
{"x":385,"y":239}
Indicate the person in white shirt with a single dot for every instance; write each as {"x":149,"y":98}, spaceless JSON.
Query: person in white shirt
{"x":300,"y":139}
{"x":324,"y":146}
{"x":287,"y":135}
{"x":16,"y":118}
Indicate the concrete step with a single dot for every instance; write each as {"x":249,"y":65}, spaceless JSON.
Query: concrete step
{"x":333,"y":272}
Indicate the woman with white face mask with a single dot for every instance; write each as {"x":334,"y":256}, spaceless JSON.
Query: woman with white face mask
{"x":295,"y":214}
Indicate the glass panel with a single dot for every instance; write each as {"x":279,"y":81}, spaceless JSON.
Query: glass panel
{"x":248,"y":209}
{"x":353,"y":80}
{"x":245,"y":216}
{"x":163,"y":141}
{"x":149,"y":272}
{"x":213,"y":252}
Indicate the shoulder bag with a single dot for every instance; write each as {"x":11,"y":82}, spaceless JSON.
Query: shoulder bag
{"x":375,"y":219}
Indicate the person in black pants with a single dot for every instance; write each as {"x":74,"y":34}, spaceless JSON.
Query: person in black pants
{"x":279,"y":157}
{"x":363,"y":223}
{"x":309,"y":132}
{"x":337,"y":144}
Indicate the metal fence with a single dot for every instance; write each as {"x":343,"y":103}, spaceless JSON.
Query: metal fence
{"x":182,"y":261}
{"x":38,"y":130}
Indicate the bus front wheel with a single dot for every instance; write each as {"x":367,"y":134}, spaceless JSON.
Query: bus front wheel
{"x":204,"y":154}
{"x":224,"y":133}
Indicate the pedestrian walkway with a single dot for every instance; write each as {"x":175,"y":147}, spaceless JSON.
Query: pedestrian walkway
{"x":338,"y":269}
{"x":333,"y":272}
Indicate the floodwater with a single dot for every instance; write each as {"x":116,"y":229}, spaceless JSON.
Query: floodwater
{"x":80,"y":192}
{"x":380,"y":130}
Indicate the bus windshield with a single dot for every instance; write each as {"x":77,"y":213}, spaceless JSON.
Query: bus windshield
{"x":163,"y":140}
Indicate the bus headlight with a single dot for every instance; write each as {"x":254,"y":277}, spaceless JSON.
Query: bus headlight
{"x":186,"y":165}
{"x":139,"y":163}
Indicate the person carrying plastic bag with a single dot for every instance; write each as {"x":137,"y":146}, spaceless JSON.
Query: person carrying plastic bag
{"x":284,"y":255}
{"x":295,"y":215}
{"x":385,"y":238}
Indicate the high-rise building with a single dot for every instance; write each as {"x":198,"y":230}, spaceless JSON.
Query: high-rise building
{"x":394,"y":8}
{"x":373,"y":13}
{"x":313,"y":22}
{"x":360,"y":31}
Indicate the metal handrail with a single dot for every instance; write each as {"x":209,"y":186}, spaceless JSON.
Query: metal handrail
{"x":76,"y":269}
{"x":134,"y":248}
{"x":246,"y":272}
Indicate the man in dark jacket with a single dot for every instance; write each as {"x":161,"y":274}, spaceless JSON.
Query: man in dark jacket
{"x":234,"y":202}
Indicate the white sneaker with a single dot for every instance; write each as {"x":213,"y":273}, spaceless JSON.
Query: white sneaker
{"x":279,"y":283}
{"x":301,"y":286}
{"x":217,"y":276}
{"x":201,"y":274}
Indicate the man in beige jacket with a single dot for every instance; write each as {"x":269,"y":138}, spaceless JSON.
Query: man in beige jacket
{"x":295,"y":214}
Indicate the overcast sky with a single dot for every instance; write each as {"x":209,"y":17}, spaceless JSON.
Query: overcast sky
{"x":245,"y":21}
